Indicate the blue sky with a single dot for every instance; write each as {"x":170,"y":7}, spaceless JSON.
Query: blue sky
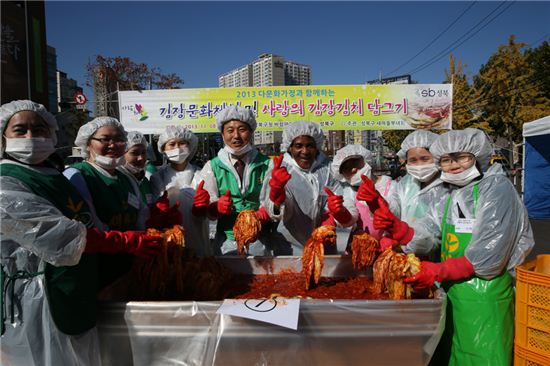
{"x":343,"y":42}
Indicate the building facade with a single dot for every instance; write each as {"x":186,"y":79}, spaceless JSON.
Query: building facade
{"x":267,"y":70}
{"x":23,"y":56}
{"x":51,"y":60}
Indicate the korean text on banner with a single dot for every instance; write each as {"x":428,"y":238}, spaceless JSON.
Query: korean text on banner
{"x":350,"y":107}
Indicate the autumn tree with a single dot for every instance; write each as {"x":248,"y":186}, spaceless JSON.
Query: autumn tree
{"x":110,"y":74}
{"x":507,"y":92}
{"x":464,"y":112}
{"x":539,"y":60}
{"x":394,"y":138}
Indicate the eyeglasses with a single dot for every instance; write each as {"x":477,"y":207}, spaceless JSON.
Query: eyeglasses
{"x":461,"y":159}
{"x":110,"y":140}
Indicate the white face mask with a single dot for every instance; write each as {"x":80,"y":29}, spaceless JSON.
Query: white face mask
{"x":177,"y":156}
{"x":238,"y":152}
{"x":356,"y":180}
{"x":463,"y":178}
{"x":107,"y":162}
{"x":133,"y":169}
{"x":422,"y":172}
{"x":31,"y":151}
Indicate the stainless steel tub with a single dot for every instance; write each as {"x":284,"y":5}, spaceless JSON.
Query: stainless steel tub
{"x":330,"y":332}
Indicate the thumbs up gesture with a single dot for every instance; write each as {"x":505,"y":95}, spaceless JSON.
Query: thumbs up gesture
{"x":162,"y":215}
{"x":224,"y":203}
{"x":200,"y":200}
{"x":336,"y":207}
{"x":278,"y":181}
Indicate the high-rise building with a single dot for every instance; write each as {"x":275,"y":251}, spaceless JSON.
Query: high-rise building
{"x":241,"y":76}
{"x":51,"y":61}
{"x":297,"y":74}
{"x":66,"y":90}
{"x":23,"y":56}
{"x":267,"y":70}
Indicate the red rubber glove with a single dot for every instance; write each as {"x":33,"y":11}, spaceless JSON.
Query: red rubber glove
{"x":201,"y":200}
{"x":368,"y":193}
{"x":134,"y":242}
{"x":328,"y":220}
{"x":399,"y":230}
{"x":452,"y":269}
{"x":263,"y":216}
{"x":386,"y":242}
{"x":221,"y":206}
{"x":336,"y":207}
{"x":162,"y":215}
{"x":278,"y":181}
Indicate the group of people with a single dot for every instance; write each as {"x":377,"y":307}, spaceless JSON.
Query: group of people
{"x":65,"y":236}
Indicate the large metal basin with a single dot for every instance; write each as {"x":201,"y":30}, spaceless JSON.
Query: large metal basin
{"x":330,"y":332}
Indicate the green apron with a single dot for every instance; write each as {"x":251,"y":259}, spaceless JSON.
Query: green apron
{"x":71,"y":290}
{"x":110,"y":198}
{"x":226,"y":180}
{"x":146,"y":191}
{"x":479,"y":327}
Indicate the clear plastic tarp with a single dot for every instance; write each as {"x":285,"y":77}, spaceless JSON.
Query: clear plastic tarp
{"x":331,"y":332}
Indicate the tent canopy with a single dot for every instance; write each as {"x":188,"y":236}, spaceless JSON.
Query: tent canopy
{"x":536,"y":136}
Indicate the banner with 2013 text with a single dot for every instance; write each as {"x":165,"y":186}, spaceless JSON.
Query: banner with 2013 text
{"x":342,"y":107}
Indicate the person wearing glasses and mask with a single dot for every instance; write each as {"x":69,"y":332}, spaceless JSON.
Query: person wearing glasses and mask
{"x":178,"y":180}
{"x":48,"y":243}
{"x":113,"y":197}
{"x":302,"y":193}
{"x":135,"y":159}
{"x":409,"y":197}
{"x":483,"y":232}
{"x":232,"y":181}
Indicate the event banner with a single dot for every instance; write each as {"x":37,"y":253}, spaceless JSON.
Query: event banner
{"x":340,"y":107}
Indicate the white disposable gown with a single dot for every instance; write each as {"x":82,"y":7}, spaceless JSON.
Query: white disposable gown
{"x":34,"y":232}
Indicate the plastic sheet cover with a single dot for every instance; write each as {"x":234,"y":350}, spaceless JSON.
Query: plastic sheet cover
{"x":331,"y":332}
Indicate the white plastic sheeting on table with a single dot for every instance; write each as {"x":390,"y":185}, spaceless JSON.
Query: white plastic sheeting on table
{"x":330,"y":332}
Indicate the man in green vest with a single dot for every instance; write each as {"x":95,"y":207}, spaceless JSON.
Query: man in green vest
{"x":483,"y":232}
{"x":233,"y":181}
{"x":48,"y":274}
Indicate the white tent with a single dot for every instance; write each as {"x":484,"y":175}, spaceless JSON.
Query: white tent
{"x":536,"y":165}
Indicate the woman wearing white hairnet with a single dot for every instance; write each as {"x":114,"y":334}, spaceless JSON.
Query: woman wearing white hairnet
{"x":232,"y":181}
{"x":114,"y":198}
{"x":45,"y":226}
{"x":178,"y":178}
{"x":410,"y":197}
{"x":134,"y":166}
{"x":484,"y":233}
{"x":302,"y":193}
{"x":349,"y":165}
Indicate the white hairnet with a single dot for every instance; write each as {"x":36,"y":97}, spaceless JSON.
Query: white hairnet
{"x":419,"y":138}
{"x":9,"y":109}
{"x":302,"y":128}
{"x":346,"y":153}
{"x":469,"y":140}
{"x":181,"y":133}
{"x":86,"y":131}
{"x":135,"y":138}
{"x":235,"y":112}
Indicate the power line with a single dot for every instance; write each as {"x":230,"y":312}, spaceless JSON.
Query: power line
{"x":479,"y":103}
{"x":435,"y":39}
{"x":547,"y":35}
{"x":460,"y":40}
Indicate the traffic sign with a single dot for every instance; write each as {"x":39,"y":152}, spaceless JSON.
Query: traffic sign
{"x":80,"y":99}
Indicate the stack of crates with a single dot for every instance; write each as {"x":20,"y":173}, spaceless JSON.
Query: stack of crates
{"x":532,"y":340}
